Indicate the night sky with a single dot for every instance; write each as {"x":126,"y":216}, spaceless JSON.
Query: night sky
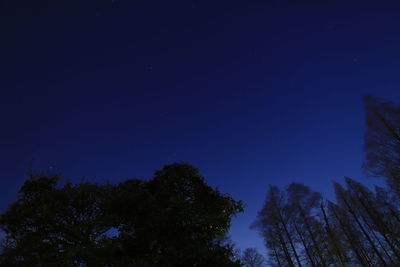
{"x":250,"y":92}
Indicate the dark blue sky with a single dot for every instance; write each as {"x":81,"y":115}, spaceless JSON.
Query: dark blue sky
{"x":251,"y":92}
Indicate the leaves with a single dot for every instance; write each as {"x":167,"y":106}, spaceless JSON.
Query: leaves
{"x":174,"y":219}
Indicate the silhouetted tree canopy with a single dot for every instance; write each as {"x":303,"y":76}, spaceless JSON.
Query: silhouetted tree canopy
{"x":174,"y":219}
{"x":300,"y":228}
{"x":360,"y":229}
{"x":382,"y":140}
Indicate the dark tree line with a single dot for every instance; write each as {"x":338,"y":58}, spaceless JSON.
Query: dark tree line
{"x":361,"y":228}
{"x":174,"y":219}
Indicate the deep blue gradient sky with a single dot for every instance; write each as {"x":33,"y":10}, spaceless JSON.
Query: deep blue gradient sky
{"x":251,"y":92}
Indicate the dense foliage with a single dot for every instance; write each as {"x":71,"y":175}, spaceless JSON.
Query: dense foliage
{"x":174,"y":219}
{"x":362,"y":228}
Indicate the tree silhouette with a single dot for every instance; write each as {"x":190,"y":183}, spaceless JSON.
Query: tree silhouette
{"x":301,"y":229}
{"x":174,"y":219}
{"x":252,"y":258}
{"x":382,"y":141}
{"x":361,"y":228}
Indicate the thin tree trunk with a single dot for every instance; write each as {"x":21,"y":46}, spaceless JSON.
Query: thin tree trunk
{"x":364,"y":232}
{"x":277,"y":257}
{"x":304,"y":245}
{"x":313,"y":238}
{"x":330,"y":234}
{"x":376,"y":217}
{"x":350,"y":239}
{"x":380,"y":223}
{"x":378,"y":240}
{"x":284,"y":247}
{"x":289,"y":237}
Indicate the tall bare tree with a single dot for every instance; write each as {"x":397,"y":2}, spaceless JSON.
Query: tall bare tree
{"x":252,"y":258}
{"x":382,"y":141}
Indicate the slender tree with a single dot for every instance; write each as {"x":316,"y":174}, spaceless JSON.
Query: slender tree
{"x":273,"y":226}
{"x":362,"y":228}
